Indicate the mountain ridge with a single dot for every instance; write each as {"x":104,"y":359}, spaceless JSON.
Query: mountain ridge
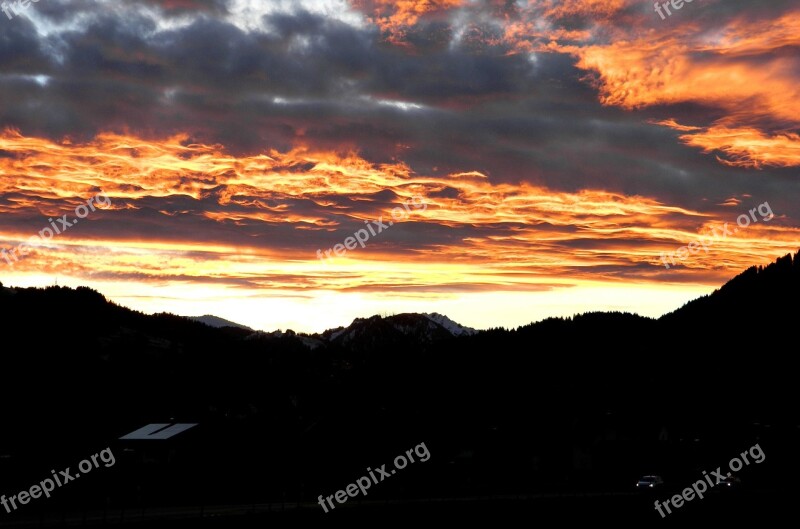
{"x":522,"y":403}
{"x":771,"y":285}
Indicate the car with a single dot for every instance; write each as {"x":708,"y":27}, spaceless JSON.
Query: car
{"x":730,"y":483}
{"x":649,"y":482}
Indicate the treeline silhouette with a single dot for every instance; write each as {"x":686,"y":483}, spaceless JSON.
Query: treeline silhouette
{"x":583,"y":403}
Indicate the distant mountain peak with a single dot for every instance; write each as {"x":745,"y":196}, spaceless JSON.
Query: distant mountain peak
{"x":217,"y":322}
{"x":374,"y":330}
{"x":456,"y":329}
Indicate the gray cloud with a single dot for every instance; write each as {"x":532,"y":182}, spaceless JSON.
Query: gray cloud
{"x":309,"y":79}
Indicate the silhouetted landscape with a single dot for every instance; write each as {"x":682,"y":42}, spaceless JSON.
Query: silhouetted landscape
{"x":565,"y":406}
{"x":364,"y":263}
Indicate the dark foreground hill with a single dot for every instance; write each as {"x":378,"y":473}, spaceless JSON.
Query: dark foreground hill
{"x":576,"y":404}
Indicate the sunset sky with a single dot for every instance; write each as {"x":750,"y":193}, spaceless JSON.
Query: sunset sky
{"x":558,"y":147}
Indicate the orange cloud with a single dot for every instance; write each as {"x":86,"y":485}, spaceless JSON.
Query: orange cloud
{"x":394,"y":17}
{"x":604,"y":9}
{"x":759,"y":98}
{"x":748,"y":147}
{"x":740,"y":68}
{"x":477,"y":234}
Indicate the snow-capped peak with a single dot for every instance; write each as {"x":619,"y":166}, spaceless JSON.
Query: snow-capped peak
{"x":456,"y":329}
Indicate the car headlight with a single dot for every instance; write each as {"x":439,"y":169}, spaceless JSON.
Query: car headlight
{"x":651,"y":485}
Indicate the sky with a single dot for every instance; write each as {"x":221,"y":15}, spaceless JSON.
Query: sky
{"x":296,"y":164}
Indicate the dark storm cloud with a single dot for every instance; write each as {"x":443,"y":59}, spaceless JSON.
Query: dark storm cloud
{"x":319,"y":81}
{"x":20,"y":50}
{"x":183,"y":7}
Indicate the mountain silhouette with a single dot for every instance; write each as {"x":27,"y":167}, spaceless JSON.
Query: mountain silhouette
{"x":583,"y":403}
{"x":759,"y":294}
{"x":215,"y":321}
